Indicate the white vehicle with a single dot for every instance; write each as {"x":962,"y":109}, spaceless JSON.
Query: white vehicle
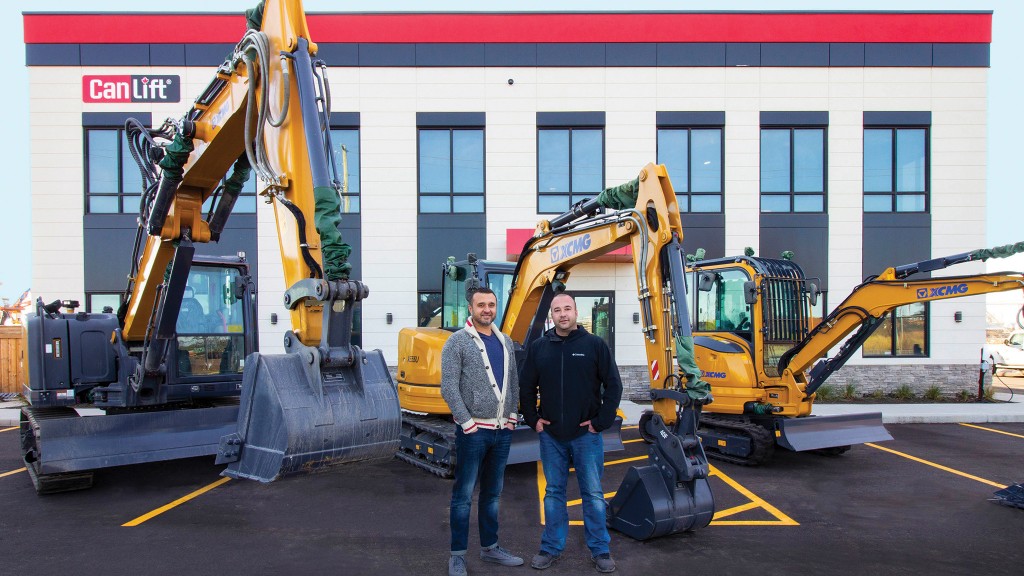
{"x":1009,"y":355}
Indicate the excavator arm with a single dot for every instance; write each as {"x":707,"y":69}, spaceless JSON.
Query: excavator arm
{"x":865,"y":308}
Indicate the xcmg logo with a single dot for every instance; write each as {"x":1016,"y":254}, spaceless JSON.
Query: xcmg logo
{"x":572,"y":248}
{"x":718,"y":375}
{"x":118,"y":88}
{"x":951,"y":290}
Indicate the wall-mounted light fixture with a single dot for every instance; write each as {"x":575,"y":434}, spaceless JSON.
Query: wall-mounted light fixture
{"x":636,"y":317}
{"x":388,"y":317}
{"x":273,"y":317}
{"x":958,"y":316}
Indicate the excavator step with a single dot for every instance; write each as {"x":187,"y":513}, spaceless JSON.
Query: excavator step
{"x":1012,"y":495}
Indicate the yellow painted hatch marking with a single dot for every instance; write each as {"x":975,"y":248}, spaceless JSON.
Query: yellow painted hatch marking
{"x":969,"y":426}
{"x":10,"y":429}
{"x":939,"y":466}
{"x":179,"y":501}
{"x":13,"y":472}
{"x":632,"y":441}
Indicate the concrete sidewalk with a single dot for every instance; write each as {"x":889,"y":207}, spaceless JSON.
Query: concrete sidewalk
{"x":1009,"y":410}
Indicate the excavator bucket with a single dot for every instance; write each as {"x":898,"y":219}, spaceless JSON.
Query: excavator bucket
{"x":294,"y":419}
{"x":840,"y":430}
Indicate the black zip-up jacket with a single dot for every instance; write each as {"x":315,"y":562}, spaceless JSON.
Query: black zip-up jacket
{"x":578,"y":381}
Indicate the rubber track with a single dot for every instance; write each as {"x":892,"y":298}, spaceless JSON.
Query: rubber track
{"x":50,"y":483}
{"x":439,"y":427}
{"x":760,"y":437}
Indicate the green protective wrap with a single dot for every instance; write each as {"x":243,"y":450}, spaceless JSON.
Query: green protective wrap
{"x":254,"y":17}
{"x":175,"y":156}
{"x":696,"y":388}
{"x":239,"y":175}
{"x":620,"y":197}
{"x":1004,"y":251}
{"x":328,"y":217}
{"x":787,"y":254}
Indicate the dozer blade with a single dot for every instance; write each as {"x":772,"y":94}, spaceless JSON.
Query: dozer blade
{"x":293,"y":418}
{"x":816,"y":432}
{"x":526,"y":444}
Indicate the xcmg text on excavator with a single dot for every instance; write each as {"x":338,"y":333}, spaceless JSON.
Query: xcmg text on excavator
{"x":671,"y":493}
{"x":757,"y":345}
{"x":177,"y":369}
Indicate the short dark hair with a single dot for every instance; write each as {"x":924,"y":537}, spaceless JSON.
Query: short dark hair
{"x":565,"y":293}
{"x":479,"y":290}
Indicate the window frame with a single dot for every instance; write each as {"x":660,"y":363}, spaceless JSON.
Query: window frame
{"x":689,"y":193}
{"x":894,"y":193}
{"x":792,"y":194}
{"x":569,"y":192}
{"x":451,"y":194}
{"x":893,"y":352}
{"x":357,"y":195}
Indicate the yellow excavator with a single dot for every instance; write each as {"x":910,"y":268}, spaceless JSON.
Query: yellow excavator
{"x":671,"y":493}
{"x":176,"y":370}
{"x":757,"y":345}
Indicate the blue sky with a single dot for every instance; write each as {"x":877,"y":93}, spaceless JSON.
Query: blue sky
{"x":1005,"y":200}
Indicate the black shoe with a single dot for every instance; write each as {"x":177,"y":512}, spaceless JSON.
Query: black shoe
{"x":604,"y":563}
{"x":543,"y":560}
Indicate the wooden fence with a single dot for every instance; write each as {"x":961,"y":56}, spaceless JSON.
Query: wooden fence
{"x":10,"y":352}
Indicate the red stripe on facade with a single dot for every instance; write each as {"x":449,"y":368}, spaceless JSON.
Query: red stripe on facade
{"x":520,"y":28}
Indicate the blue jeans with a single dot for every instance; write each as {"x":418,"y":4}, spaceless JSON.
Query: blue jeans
{"x":587,"y":454}
{"x":479,"y":456}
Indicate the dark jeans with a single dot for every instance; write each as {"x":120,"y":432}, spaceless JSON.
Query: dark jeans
{"x":587,"y":454}
{"x":479,"y":456}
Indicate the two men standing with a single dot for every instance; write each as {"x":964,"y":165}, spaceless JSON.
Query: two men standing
{"x":579,"y":390}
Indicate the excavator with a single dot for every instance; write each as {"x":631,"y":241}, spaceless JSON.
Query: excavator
{"x":177,"y":369}
{"x":756,"y":344}
{"x":671,"y":492}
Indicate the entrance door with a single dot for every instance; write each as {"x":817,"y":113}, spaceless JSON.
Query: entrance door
{"x":597,"y":314}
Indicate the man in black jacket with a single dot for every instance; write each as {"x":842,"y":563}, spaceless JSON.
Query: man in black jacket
{"x":580,"y":391}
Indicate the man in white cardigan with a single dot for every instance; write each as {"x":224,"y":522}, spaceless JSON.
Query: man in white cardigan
{"x":480,"y":383}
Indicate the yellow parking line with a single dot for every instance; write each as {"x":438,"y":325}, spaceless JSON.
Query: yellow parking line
{"x":12,"y":472}
{"x":969,"y":426}
{"x":10,"y":429}
{"x":939,"y":466}
{"x":182,"y":500}
{"x":782,"y":519}
{"x":633,"y":427}
{"x":736,"y":509}
{"x":624,"y":441}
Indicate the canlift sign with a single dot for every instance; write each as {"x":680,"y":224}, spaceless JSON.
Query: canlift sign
{"x":124,"y":88}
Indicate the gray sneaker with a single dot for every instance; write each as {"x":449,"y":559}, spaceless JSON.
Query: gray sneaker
{"x":499,"y":555}
{"x":543,"y":560}
{"x":457,"y":566}
{"x":604,"y":563}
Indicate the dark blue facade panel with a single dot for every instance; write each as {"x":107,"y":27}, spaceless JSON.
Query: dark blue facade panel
{"x":961,"y":55}
{"x":207,"y":54}
{"x":351,"y":229}
{"x":115,"y":55}
{"x":893,"y":240}
{"x":387,"y":54}
{"x":806,"y":235}
{"x":442,"y":235}
{"x":510,"y":54}
{"x":691,"y":119}
{"x":898,"y":55}
{"x":705,"y":231}
{"x":638,"y":54}
{"x":344,"y":119}
{"x":897,"y":118}
{"x":53,"y":55}
{"x":630,"y":54}
{"x":794,"y":118}
{"x":451,"y":119}
{"x":450,"y":55}
{"x":846,"y":54}
{"x":167,"y":54}
{"x":695,"y":54}
{"x":794,"y":54}
{"x":742,"y":54}
{"x":570,"y":118}
{"x":114,"y":120}
{"x":571,"y":54}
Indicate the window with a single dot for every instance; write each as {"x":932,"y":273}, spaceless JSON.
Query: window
{"x":895,"y":169}
{"x":693,"y":157}
{"x":903,"y":333}
{"x":96,"y":302}
{"x":114,"y":184}
{"x":345,"y":148}
{"x":211,"y":324}
{"x":792,"y":170}
{"x":451,"y":170}
{"x":721,"y":306}
{"x":570,"y":167}
{"x":429,"y":310}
